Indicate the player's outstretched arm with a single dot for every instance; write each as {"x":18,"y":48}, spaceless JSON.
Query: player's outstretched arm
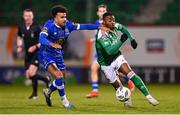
{"x":75,"y":26}
{"x":132,"y":40}
{"x":88,"y":26}
{"x":94,"y":27}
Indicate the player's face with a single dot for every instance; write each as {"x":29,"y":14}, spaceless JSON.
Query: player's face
{"x":109,"y":22}
{"x":101,"y":11}
{"x":61,"y":19}
{"x":28,"y":17}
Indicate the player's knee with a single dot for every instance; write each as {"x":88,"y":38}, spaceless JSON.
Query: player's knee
{"x":58,"y":74}
{"x":130,"y":74}
{"x":31,"y":73}
{"x":94,"y":68}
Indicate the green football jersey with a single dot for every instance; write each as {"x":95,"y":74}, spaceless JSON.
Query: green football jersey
{"x":108,"y":44}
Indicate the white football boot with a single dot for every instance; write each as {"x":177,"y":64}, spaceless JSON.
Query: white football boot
{"x":128,"y":103}
{"x":152,"y":101}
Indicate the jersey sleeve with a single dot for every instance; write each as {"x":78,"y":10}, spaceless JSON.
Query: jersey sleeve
{"x":123,"y":29}
{"x":77,"y":26}
{"x":111,"y":47}
{"x":44,"y":34}
{"x":97,"y":22}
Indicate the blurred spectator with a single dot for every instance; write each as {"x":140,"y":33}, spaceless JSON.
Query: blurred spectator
{"x":28,"y":34}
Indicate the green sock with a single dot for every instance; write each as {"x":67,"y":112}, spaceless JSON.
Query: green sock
{"x":140,"y":84}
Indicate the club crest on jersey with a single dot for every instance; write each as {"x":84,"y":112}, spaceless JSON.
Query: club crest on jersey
{"x":32,"y":35}
{"x":55,"y":33}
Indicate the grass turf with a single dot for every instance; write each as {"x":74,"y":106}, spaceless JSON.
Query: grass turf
{"x":13,"y":100}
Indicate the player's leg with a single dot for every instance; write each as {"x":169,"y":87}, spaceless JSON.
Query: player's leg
{"x":30,"y":73}
{"x":127,"y":80}
{"x":113,"y":79}
{"x":58,"y":84}
{"x":45,"y":79}
{"x":125,"y":69}
{"x":94,"y":80}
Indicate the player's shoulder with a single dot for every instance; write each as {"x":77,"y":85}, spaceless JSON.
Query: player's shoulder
{"x":48,"y":26}
{"x":21,"y":25}
{"x":36,"y":24}
{"x":69,"y":23}
{"x":101,"y":34}
{"x":118,"y":25}
{"x":49,"y":23}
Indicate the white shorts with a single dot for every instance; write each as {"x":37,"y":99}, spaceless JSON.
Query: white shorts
{"x":111,"y":70}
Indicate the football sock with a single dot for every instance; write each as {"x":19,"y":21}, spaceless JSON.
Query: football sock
{"x":60,"y":86}
{"x":126,"y":79}
{"x":34,"y":85}
{"x":95,"y":86}
{"x":64,"y":100}
{"x":139,"y":84}
{"x":52,"y":87}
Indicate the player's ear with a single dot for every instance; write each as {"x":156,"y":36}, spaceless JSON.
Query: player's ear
{"x":103,"y":23}
{"x":55,"y":19}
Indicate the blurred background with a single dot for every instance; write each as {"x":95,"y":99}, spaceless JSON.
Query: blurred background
{"x":155,"y":24}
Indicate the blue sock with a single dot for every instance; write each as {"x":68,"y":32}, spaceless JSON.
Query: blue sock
{"x":126,"y":79}
{"x":60,"y":86}
{"x":95,"y":86}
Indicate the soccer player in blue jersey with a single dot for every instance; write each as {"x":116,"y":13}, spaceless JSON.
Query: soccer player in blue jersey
{"x":52,"y":37}
{"x":101,"y":9}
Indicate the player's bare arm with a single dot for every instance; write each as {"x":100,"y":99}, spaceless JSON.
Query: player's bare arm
{"x":33,"y":48}
{"x":55,"y":45}
{"x":102,"y":27}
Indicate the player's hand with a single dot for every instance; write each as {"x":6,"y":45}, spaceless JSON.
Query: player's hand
{"x":134,"y":44}
{"x":124,"y":37}
{"x":105,"y":28}
{"x":55,"y":45}
{"x":32,"y":48}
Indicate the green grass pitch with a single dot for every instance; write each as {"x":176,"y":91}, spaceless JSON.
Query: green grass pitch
{"x":13,"y":100}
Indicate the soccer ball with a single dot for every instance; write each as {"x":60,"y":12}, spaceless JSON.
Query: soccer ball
{"x":123,"y":94}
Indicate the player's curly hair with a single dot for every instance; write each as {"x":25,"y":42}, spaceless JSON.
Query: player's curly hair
{"x":107,"y":14}
{"x":58,"y":9}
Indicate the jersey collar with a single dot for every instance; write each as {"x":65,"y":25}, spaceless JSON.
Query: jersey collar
{"x":56,"y":25}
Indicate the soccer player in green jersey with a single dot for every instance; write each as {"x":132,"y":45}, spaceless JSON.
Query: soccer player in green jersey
{"x":101,"y":9}
{"x":110,"y":58}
